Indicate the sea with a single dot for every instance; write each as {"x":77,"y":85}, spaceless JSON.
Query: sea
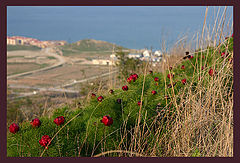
{"x":134,"y":27}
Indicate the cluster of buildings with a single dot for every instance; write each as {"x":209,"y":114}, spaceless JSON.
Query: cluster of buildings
{"x":147,"y":55}
{"x":19,"y":40}
{"x":144,"y":55}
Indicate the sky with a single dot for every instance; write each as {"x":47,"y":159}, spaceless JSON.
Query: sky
{"x":129,"y":26}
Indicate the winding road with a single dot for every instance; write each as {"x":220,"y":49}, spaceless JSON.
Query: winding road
{"x":61,"y":61}
{"x":60,"y":88}
{"x":57,"y":88}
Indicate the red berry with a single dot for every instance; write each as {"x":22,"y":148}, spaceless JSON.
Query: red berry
{"x":45,"y":140}
{"x":150,"y":72}
{"x":119,"y":101}
{"x":125,"y":88}
{"x":211,"y":72}
{"x":93,"y":95}
{"x":154,"y":92}
{"x":107,"y":121}
{"x":202,"y":67}
{"x":130,"y":79}
{"x":139,"y":103}
{"x":135,"y":76}
{"x":184,"y":81}
{"x":170,"y":76}
{"x":170,"y":85}
{"x":183,"y":67}
{"x":190,"y":57}
{"x":100,"y":98}
{"x":170,"y":68}
{"x":14,"y":128}
{"x":36,"y":122}
{"x":223,"y":54}
{"x":111,"y":91}
{"x":156,"y":79}
{"x":59,"y":120}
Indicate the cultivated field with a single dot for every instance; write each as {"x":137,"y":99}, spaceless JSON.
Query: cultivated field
{"x":24,"y":67}
{"x":61,"y":75}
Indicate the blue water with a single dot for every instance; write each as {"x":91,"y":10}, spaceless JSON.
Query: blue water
{"x":131,"y":26}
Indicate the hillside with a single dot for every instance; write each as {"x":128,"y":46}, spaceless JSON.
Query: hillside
{"x":88,"y":46}
{"x":185,"y":111}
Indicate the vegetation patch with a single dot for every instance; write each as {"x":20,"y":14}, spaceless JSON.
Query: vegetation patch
{"x":153,"y":114}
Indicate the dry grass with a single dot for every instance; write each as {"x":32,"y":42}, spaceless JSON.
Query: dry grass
{"x":203,"y":123}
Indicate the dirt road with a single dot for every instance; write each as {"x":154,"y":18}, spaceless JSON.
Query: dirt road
{"x":47,"y":52}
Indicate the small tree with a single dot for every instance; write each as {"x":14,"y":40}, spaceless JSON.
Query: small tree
{"x":127,"y":65}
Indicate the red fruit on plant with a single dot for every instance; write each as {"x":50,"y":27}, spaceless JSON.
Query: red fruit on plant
{"x":202,"y":67}
{"x":170,"y":68}
{"x":154,"y":92}
{"x":125,"y":87}
{"x":150,"y":72}
{"x":36,"y":122}
{"x":203,"y":56}
{"x":183,"y":67}
{"x":59,"y":120}
{"x":211,"y":72}
{"x":139,"y":103}
{"x":100,"y":98}
{"x":156,"y":84}
{"x":184,"y":81}
{"x":45,"y":141}
{"x":14,"y":128}
{"x":129,"y":80}
{"x":170,"y":76}
{"x":223,"y":54}
{"x":119,"y":101}
{"x":111,"y":91}
{"x":190,"y":57}
{"x":170,"y":85}
{"x":107,"y":121}
{"x":156,"y":79}
{"x":135,"y":76}
{"x":93,"y":95}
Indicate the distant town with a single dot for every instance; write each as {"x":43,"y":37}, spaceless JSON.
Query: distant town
{"x":143,"y":54}
{"x":20,"y":40}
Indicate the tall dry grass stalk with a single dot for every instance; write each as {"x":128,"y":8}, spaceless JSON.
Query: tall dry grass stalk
{"x":202,"y":124}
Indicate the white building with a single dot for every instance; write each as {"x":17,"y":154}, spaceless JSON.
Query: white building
{"x":146,"y":53}
{"x":158,"y":53}
{"x":103,"y":62}
{"x":113,"y":56}
{"x":134,"y":55}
